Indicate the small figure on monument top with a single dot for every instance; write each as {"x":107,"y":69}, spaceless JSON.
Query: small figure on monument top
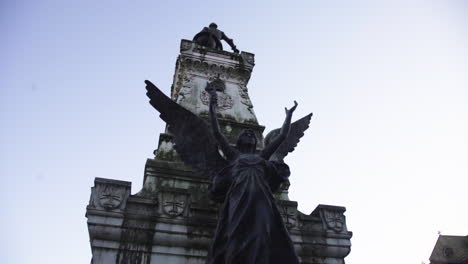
{"x":211,"y":37}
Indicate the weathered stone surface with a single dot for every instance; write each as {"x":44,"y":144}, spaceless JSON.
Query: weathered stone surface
{"x":450,"y":250}
{"x":171,"y":220}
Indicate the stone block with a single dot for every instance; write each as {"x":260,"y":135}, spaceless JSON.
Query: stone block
{"x":109,"y":195}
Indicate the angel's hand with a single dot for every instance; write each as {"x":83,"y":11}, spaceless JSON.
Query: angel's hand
{"x":289,"y":112}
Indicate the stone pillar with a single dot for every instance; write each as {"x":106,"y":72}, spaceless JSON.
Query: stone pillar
{"x":105,"y":213}
{"x":229,"y":72}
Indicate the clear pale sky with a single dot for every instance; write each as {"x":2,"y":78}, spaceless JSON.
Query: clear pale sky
{"x":387,"y":82}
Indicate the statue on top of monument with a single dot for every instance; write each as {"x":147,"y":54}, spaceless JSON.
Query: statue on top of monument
{"x":250,"y":228}
{"x":211,"y":37}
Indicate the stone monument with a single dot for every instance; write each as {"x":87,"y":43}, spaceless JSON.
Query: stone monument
{"x":172,"y":219}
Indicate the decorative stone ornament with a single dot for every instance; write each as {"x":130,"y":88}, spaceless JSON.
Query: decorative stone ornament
{"x":224,"y":101}
{"x":333,"y":218}
{"x":174,"y":202}
{"x":249,"y":58}
{"x":109,"y":194}
{"x":111,"y":198}
{"x":289,"y":216}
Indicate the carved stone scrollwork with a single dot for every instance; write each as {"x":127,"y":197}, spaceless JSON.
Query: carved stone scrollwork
{"x":213,"y":69}
{"x":110,"y":195}
{"x":245,"y":99}
{"x":186,"y":86}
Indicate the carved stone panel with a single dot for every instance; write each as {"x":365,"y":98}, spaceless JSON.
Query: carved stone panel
{"x":174,"y":202}
{"x":248,"y":58}
{"x":185,"y":45}
{"x":333,"y":218}
{"x":288,"y":210}
{"x":219,"y":86}
{"x":245,"y":99}
{"x":109,"y":195}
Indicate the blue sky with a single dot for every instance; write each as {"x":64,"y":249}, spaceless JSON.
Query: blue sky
{"x":387,"y":82}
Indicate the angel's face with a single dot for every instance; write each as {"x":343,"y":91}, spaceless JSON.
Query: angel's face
{"x":247,"y":142}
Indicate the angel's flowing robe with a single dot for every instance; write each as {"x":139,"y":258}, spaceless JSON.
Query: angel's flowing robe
{"x":250,"y":228}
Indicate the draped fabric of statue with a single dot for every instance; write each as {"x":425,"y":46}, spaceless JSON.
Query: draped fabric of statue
{"x":250,"y":228}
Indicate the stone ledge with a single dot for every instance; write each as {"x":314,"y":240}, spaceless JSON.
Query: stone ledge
{"x":112,"y":181}
{"x":98,"y":212}
{"x":192,"y":49}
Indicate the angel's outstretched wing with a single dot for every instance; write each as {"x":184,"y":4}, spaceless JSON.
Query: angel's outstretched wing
{"x":294,"y":136}
{"x":194,"y":141}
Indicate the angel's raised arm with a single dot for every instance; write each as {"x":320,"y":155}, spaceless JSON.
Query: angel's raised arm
{"x":271,"y":148}
{"x":228,"y":151}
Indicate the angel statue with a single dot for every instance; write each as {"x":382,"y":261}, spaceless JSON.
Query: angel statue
{"x":250,"y":228}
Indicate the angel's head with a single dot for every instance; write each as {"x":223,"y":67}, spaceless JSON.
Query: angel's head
{"x":247,"y":141}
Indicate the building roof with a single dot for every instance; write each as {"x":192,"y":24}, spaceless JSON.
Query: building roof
{"x":450,"y":249}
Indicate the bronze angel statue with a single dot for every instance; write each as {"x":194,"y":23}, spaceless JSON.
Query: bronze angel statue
{"x":250,"y":228}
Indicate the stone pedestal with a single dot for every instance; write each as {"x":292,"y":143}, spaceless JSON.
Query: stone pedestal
{"x":171,"y":220}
